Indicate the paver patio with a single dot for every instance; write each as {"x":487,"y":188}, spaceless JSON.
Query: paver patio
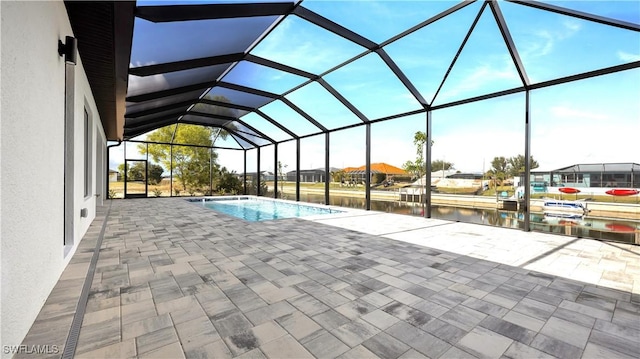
{"x":175,"y":280}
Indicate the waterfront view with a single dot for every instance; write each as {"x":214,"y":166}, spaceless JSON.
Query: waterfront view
{"x":481,"y":157}
{"x":491,"y":111}
{"x":622,"y":230}
{"x":608,"y":217}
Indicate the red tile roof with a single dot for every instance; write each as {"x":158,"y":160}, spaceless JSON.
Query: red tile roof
{"x":378,"y":168}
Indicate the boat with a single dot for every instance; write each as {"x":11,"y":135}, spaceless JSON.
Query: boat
{"x":620,"y":227}
{"x":622,"y":192}
{"x":563,"y":216}
{"x":553,"y":205}
{"x":568,"y":190}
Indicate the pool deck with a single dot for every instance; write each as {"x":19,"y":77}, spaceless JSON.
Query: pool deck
{"x":174,"y":280}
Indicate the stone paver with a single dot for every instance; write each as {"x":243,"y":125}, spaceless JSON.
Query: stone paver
{"x":174,"y":279}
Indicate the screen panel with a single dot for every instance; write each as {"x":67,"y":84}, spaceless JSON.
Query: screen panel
{"x":370,"y":85}
{"x":301,"y":44}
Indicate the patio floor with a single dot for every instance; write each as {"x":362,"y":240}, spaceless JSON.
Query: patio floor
{"x":174,"y":279}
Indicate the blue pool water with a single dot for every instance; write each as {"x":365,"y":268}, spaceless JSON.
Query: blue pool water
{"x":254,"y":210}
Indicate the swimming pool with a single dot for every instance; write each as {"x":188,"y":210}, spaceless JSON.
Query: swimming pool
{"x":255,"y":209}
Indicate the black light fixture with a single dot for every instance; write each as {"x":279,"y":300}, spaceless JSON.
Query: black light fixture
{"x":69,"y":49}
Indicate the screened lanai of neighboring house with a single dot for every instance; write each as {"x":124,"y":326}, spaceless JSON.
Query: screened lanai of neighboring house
{"x":594,"y":175}
{"x":330,"y":84}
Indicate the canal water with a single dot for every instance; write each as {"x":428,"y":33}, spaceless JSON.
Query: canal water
{"x":620,"y":230}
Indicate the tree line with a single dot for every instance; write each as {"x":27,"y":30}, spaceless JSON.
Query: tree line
{"x":195,"y":169}
{"x":136,"y":172}
{"x":501,"y":167}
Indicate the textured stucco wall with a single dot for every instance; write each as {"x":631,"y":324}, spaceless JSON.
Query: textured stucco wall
{"x":32,"y":156}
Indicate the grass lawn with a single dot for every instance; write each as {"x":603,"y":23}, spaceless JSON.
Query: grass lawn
{"x":163,"y":189}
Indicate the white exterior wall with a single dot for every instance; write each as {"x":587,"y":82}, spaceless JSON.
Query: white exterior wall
{"x":32,"y":156}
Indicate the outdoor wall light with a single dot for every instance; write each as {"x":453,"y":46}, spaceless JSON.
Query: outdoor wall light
{"x":69,"y":49}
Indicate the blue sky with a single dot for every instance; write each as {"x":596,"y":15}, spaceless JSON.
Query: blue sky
{"x":594,"y":120}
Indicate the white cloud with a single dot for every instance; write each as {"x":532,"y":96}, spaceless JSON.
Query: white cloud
{"x":547,"y":39}
{"x":481,"y":77}
{"x":297,"y":45}
{"x":571,"y":26}
{"x":136,"y":83}
{"x":627,"y":57}
{"x":542,"y":47}
{"x":140,"y":64}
